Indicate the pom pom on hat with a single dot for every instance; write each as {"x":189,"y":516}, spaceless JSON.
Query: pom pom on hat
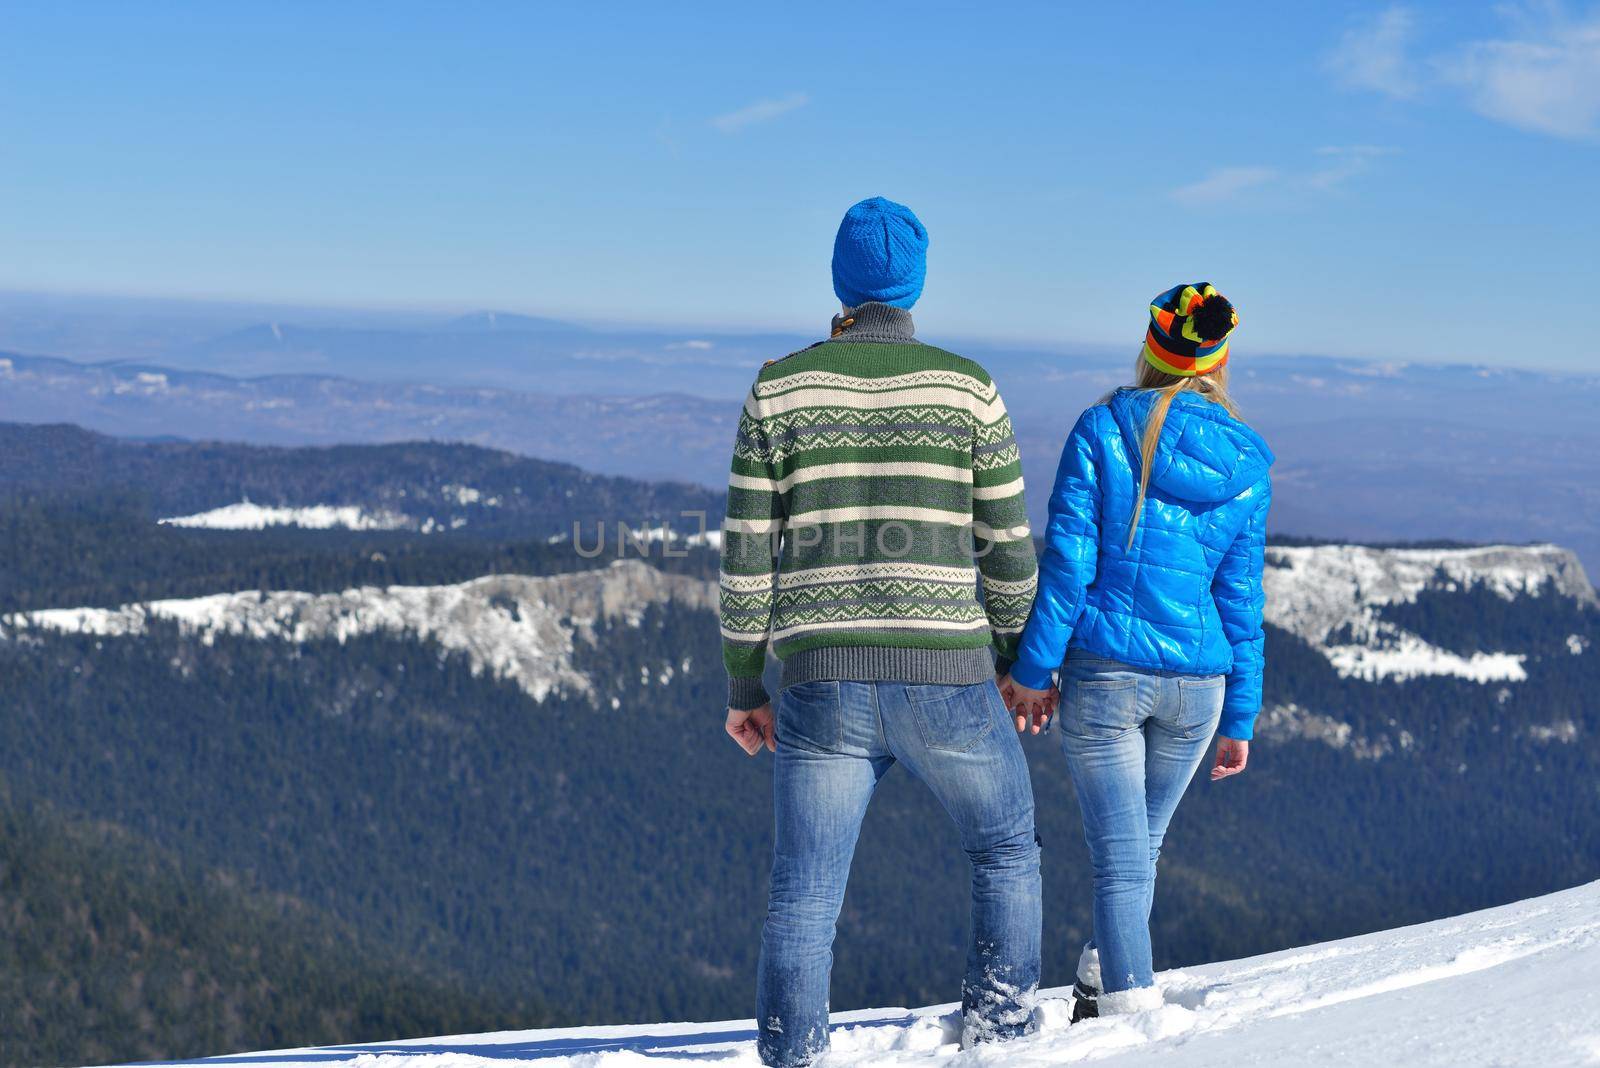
{"x":1189,"y":329}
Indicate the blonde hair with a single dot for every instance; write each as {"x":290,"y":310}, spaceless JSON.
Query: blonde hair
{"x":1213,"y":387}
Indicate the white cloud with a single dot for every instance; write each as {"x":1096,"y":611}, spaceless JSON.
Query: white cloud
{"x":695,"y":343}
{"x":1225,"y":183}
{"x":1547,"y":82}
{"x":1338,"y":165}
{"x":759,"y":112}
{"x":1376,"y":55}
{"x":1542,"y":75}
{"x":1342,"y":163}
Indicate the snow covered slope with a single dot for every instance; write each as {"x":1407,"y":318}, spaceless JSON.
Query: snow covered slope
{"x":522,"y":628}
{"x":1513,"y":985}
{"x":1331,"y":596}
{"x":247,"y":515}
{"x":517,"y":627}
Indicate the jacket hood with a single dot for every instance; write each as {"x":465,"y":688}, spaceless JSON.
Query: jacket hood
{"x":1205,"y":454}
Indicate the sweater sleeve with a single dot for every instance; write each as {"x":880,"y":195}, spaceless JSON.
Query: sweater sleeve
{"x":1002,"y":539}
{"x":750,"y":542}
{"x":1237,"y":589}
{"x":1071,"y":550}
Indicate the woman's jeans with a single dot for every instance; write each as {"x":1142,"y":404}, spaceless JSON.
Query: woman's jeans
{"x":1133,"y":739}
{"x":835,"y":741}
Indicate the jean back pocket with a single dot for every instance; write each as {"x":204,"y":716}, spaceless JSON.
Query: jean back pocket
{"x":1101,"y":707}
{"x":953,"y":718}
{"x":1200,"y":703}
{"x":810,"y":716}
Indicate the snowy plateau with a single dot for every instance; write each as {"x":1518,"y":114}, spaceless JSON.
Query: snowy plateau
{"x":1515,"y":985}
{"x":516,"y":627}
{"x":247,"y":515}
{"x":1332,"y":596}
{"x":522,"y":628}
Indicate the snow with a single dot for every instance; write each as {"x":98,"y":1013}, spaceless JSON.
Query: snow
{"x":1410,"y":657}
{"x":1519,"y":984}
{"x":247,"y":515}
{"x":1289,"y":720}
{"x":1564,"y":731}
{"x":145,"y":382}
{"x":521,"y":628}
{"x":627,"y":537}
{"x":465,"y":495}
{"x":516,"y":627}
{"x":1331,"y":596}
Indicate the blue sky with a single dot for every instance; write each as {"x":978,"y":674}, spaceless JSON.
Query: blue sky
{"x":1413,"y":182}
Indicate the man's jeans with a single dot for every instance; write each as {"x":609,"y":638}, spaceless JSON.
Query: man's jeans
{"x":1133,"y":739}
{"x":835,"y":741}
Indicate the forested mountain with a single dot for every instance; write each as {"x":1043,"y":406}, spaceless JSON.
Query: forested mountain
{"x":111,"y":949}
{"x":423,"y":486}
{"x":501,"y":761}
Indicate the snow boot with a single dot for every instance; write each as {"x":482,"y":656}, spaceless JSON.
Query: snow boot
{"x":1086,"y":990}
{"x":1085,"y":1002}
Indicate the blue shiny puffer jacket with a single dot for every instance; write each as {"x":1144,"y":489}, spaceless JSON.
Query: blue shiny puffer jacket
{"x":1187,"y":596}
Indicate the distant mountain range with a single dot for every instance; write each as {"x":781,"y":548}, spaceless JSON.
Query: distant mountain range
{"x":417,"y":486}
{"x":1366,"y":451}
{"x":492,"y":349}
{"x":659,"y":437}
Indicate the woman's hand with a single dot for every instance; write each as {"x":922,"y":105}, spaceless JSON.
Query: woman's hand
{"x":1035,"y":706}
{"x":1232,"y":755}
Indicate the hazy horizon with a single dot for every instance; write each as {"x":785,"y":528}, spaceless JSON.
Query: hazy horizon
{"x":418,"y":317}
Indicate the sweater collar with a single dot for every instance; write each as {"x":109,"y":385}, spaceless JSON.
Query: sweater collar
{"x":874,"y":322}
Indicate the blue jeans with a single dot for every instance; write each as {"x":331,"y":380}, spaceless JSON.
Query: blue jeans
{"x":835,"y":741}
{"x":1133,"y":739}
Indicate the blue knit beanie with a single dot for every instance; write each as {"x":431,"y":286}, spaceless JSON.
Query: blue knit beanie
{"x":881,"y":254}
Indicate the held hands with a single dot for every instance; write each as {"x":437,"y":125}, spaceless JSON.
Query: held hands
{"x":1232,"y":755}
{"x":752,"y":729}
{"x":1029,"y":706}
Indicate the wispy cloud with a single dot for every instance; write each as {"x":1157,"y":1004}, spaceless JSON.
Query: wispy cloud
{"x":759,"y":112}
{"x":1225,"y":183}
{"x":1542,"y":75}
{"x":1337,"y":165}
{"x":1376,"y":55}
{"x":1547,"y":81}
{"x":1342,"y":163}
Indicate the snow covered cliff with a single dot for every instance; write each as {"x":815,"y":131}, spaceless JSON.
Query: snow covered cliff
{"x":522,"y":628}
{"x":517,"y":627}
{"x":1332,"y":596}
{"x":1514,"y":985}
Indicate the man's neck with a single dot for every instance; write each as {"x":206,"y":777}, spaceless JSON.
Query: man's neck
{"x":874,"y":322}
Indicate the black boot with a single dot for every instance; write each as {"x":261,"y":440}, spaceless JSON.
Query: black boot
{"x":1085,"y":1001}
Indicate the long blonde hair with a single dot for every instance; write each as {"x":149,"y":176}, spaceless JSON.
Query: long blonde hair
{"x":1213,"y":387}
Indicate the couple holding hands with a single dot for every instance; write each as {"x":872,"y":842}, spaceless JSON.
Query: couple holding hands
{"x":870,"y":473}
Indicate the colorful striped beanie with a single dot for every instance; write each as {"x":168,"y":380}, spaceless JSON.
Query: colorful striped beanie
{"x":1189,"y":328}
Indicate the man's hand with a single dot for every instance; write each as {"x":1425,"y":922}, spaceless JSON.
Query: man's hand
{"x":1029,"y":706}
{"x":752,"y":729}
{"x":1232,"y":756}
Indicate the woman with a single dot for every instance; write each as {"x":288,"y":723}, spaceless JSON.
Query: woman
{"x":1150,"y":587}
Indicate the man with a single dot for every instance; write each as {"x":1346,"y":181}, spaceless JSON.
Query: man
{"x":876,"y":469}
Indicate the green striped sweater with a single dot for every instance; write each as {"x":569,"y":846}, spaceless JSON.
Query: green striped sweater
{"x":871,"y":473}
